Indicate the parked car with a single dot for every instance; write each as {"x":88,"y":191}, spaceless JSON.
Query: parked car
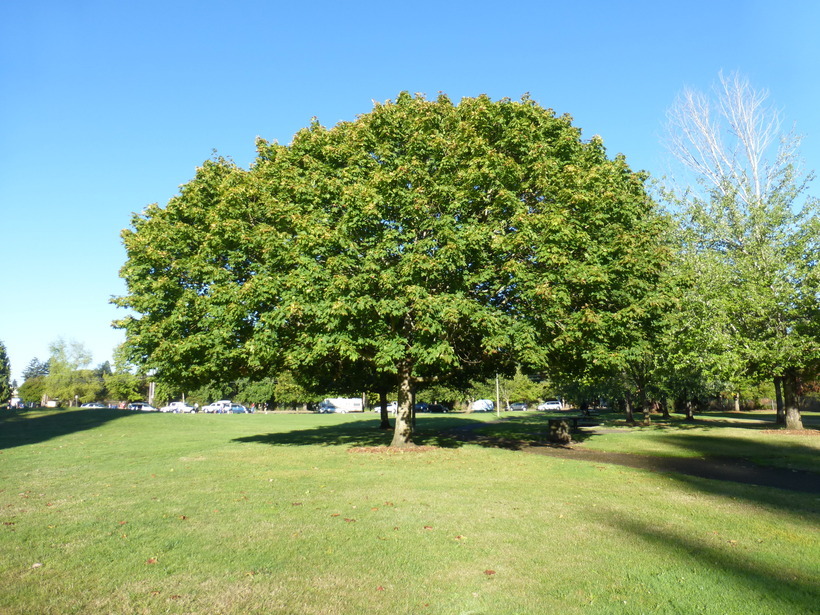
{"x":94,"y":404}
{"x":422,"y":407}
{"x":177,"y":407}
{"x":392,"y":407}
{"x":239,"y":409}
{"x":341,"y":405}
{"x":222,"y":406}
{"x":550,"y":404}
{"x":518,"y":406}
{"x":142,"y":406}
{"x":483,"y":405}
{"x":437,"y":408}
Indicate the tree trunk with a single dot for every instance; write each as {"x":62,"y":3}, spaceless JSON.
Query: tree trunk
{"x":646,"y":406}
{"x":630,"y":418}
{"x":385,"y":418}
{"x":778,"y":393}
{"x":403,"y":433}
{"x":690,"y":410}
{"x":793,"y":418}
{"x":665,"y":407}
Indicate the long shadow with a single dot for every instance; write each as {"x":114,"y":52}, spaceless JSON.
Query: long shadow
{"x":728,"y":462}
{"x":783,"y":586}
{"x":22,"y":427}
{"x":364,"y":433}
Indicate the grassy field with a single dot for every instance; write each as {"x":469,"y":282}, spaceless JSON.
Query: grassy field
{"x":106,"y":511}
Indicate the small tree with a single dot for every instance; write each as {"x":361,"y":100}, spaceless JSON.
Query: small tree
{"x":5,"y":377}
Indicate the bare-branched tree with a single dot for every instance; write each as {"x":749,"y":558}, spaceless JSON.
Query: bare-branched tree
{"x":743,"y":207}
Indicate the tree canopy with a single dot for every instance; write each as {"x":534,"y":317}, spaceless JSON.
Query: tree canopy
{"x":423,"y":242}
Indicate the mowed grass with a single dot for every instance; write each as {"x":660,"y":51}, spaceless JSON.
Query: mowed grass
{"x":117,"y":512}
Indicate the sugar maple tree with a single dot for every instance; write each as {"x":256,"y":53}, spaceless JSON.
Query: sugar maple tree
{"x":422,"y":242}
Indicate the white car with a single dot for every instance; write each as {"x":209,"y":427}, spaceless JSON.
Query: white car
{"x":483,"y":405}
{"x":551,"y":404}
{"x":177,"y":407}
{"x":223,"y":406}
{"x":141,"y":406}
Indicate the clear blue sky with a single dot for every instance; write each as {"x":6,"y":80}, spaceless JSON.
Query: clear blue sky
{"x":108,"y":106}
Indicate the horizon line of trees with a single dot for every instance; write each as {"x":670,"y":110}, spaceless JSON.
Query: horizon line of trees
{"x":74,"y":382}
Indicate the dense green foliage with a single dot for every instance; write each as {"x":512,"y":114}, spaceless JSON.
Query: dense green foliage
{"x":424,"y":242}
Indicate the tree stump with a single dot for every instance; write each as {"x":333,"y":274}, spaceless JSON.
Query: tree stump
{"x":559,"y":431}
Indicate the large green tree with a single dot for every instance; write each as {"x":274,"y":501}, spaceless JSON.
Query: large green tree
{"x":747,"y":219}
{"x":423,"y":242}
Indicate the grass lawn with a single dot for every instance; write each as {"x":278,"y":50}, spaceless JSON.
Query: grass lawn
{"x":107,"y":511}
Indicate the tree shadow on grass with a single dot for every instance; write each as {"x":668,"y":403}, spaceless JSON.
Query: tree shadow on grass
{"x":364,"y":433}
{"x":22,"y":427}
{"x":787,"y":590}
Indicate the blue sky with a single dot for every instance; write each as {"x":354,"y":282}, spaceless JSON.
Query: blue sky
{"x":108,"y":106}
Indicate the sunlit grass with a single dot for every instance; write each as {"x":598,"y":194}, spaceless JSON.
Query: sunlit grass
{"x":233,"y":514}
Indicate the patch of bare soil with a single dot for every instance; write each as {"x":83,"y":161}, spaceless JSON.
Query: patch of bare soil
{"x":793,"y":432}
{"x":389,"y":450}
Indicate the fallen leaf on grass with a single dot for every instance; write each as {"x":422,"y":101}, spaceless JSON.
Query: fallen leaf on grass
{"x":335,"y":515}
{"x":489,"y":573}
{"x":123,"y":522}
{"x":296,"y":504}
{"x":350,"y":520}
{"x":380,"y":588}
{"x":151,"y":560}
{"x":459,"y":537}
{"x":37,"y":565}
{"x":428,"y":527}
{"x":183,"y":517}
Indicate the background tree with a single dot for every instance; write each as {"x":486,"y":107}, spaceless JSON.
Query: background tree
{"x":35,"y":368}
{"x":747,"y":214}
{"x":69,"y":380}
{"x":123,"y":383}
{"x":5,"y":377}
